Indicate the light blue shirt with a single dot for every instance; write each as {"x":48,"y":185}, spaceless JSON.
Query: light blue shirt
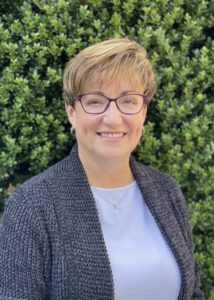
{"x":142,"y":263}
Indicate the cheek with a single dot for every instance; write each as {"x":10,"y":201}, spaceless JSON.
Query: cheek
{"x":137,"y":128}
{"x":87,"y":125}
{"x":139,"y":133}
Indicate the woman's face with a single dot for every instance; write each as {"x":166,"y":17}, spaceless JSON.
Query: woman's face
{"x":111,"y":135}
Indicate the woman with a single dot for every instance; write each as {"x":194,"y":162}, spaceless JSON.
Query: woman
{"x":98,"y":224}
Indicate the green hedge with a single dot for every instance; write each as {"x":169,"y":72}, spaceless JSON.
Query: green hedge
{"x":37,"y":38}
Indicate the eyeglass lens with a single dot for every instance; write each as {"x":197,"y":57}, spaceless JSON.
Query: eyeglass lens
{"x":130,"y":103}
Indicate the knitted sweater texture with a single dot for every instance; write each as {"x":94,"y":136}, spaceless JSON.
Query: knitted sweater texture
{"x":51,"y":242}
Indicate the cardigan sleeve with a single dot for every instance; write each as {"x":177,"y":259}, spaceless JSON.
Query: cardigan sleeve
{"x":181,"y":212}
{"x":22,"y":255}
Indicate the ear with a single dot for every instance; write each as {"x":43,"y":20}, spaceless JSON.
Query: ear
{"x":71,"y":113}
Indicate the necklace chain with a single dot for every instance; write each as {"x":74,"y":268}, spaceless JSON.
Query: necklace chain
{"x":116,"y":204}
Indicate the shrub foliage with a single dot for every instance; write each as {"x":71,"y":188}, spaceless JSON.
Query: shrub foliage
{"x":38,"y":37}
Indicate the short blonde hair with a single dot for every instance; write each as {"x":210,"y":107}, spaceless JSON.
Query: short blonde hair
{"x":108,"y":60}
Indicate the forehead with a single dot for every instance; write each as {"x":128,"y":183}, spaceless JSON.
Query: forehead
{"x":116,"y":85}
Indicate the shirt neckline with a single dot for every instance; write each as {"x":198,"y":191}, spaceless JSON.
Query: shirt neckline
{"x":124,"y":187}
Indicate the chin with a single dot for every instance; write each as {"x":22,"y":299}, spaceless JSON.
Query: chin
{"x":109,"y":155}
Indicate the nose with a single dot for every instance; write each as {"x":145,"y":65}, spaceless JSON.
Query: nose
{"x":112,"y":115}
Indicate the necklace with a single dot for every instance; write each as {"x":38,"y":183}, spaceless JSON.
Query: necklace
{"x":104,"y":195}
{"x":114,"y":204}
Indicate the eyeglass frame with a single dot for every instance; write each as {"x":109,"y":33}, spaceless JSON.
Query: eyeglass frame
{"x":144,"y":98}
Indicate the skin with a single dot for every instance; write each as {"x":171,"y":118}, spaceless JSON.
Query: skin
{"x":105,"y":158}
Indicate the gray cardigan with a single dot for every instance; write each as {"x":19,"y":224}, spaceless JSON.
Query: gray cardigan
{"x":51,"y":243}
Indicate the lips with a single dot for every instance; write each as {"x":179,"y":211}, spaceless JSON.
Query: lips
{"x":111,"y":135}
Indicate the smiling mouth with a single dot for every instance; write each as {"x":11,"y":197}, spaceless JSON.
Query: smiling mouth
{"x":115,"y":135}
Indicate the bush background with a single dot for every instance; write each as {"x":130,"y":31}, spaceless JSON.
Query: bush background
{"x":36,"y":40}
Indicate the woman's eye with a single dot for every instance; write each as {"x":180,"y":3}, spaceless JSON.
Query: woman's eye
{"x":129,"y":101}
{"x":95,"y":102}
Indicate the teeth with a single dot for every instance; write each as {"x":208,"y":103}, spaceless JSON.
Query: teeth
{"x":111,"y":135}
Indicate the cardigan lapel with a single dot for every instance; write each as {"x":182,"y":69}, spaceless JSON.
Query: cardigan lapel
{"x":158,"y":202}
{"x":81,"y":232}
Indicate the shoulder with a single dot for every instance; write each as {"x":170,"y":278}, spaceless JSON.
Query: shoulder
{"x":164,"y":188}
{"x":162,"y":182}
{"x":31,"y":206}
{"x":169,"y":187}
{"x":153,"y":175}
{"x":37,"y":189}
{"x":56,"y":184}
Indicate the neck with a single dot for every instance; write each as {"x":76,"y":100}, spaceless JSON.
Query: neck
{"x":110,"y":173}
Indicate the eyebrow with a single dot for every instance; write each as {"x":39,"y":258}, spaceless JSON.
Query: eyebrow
{"x":102,"y":94}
